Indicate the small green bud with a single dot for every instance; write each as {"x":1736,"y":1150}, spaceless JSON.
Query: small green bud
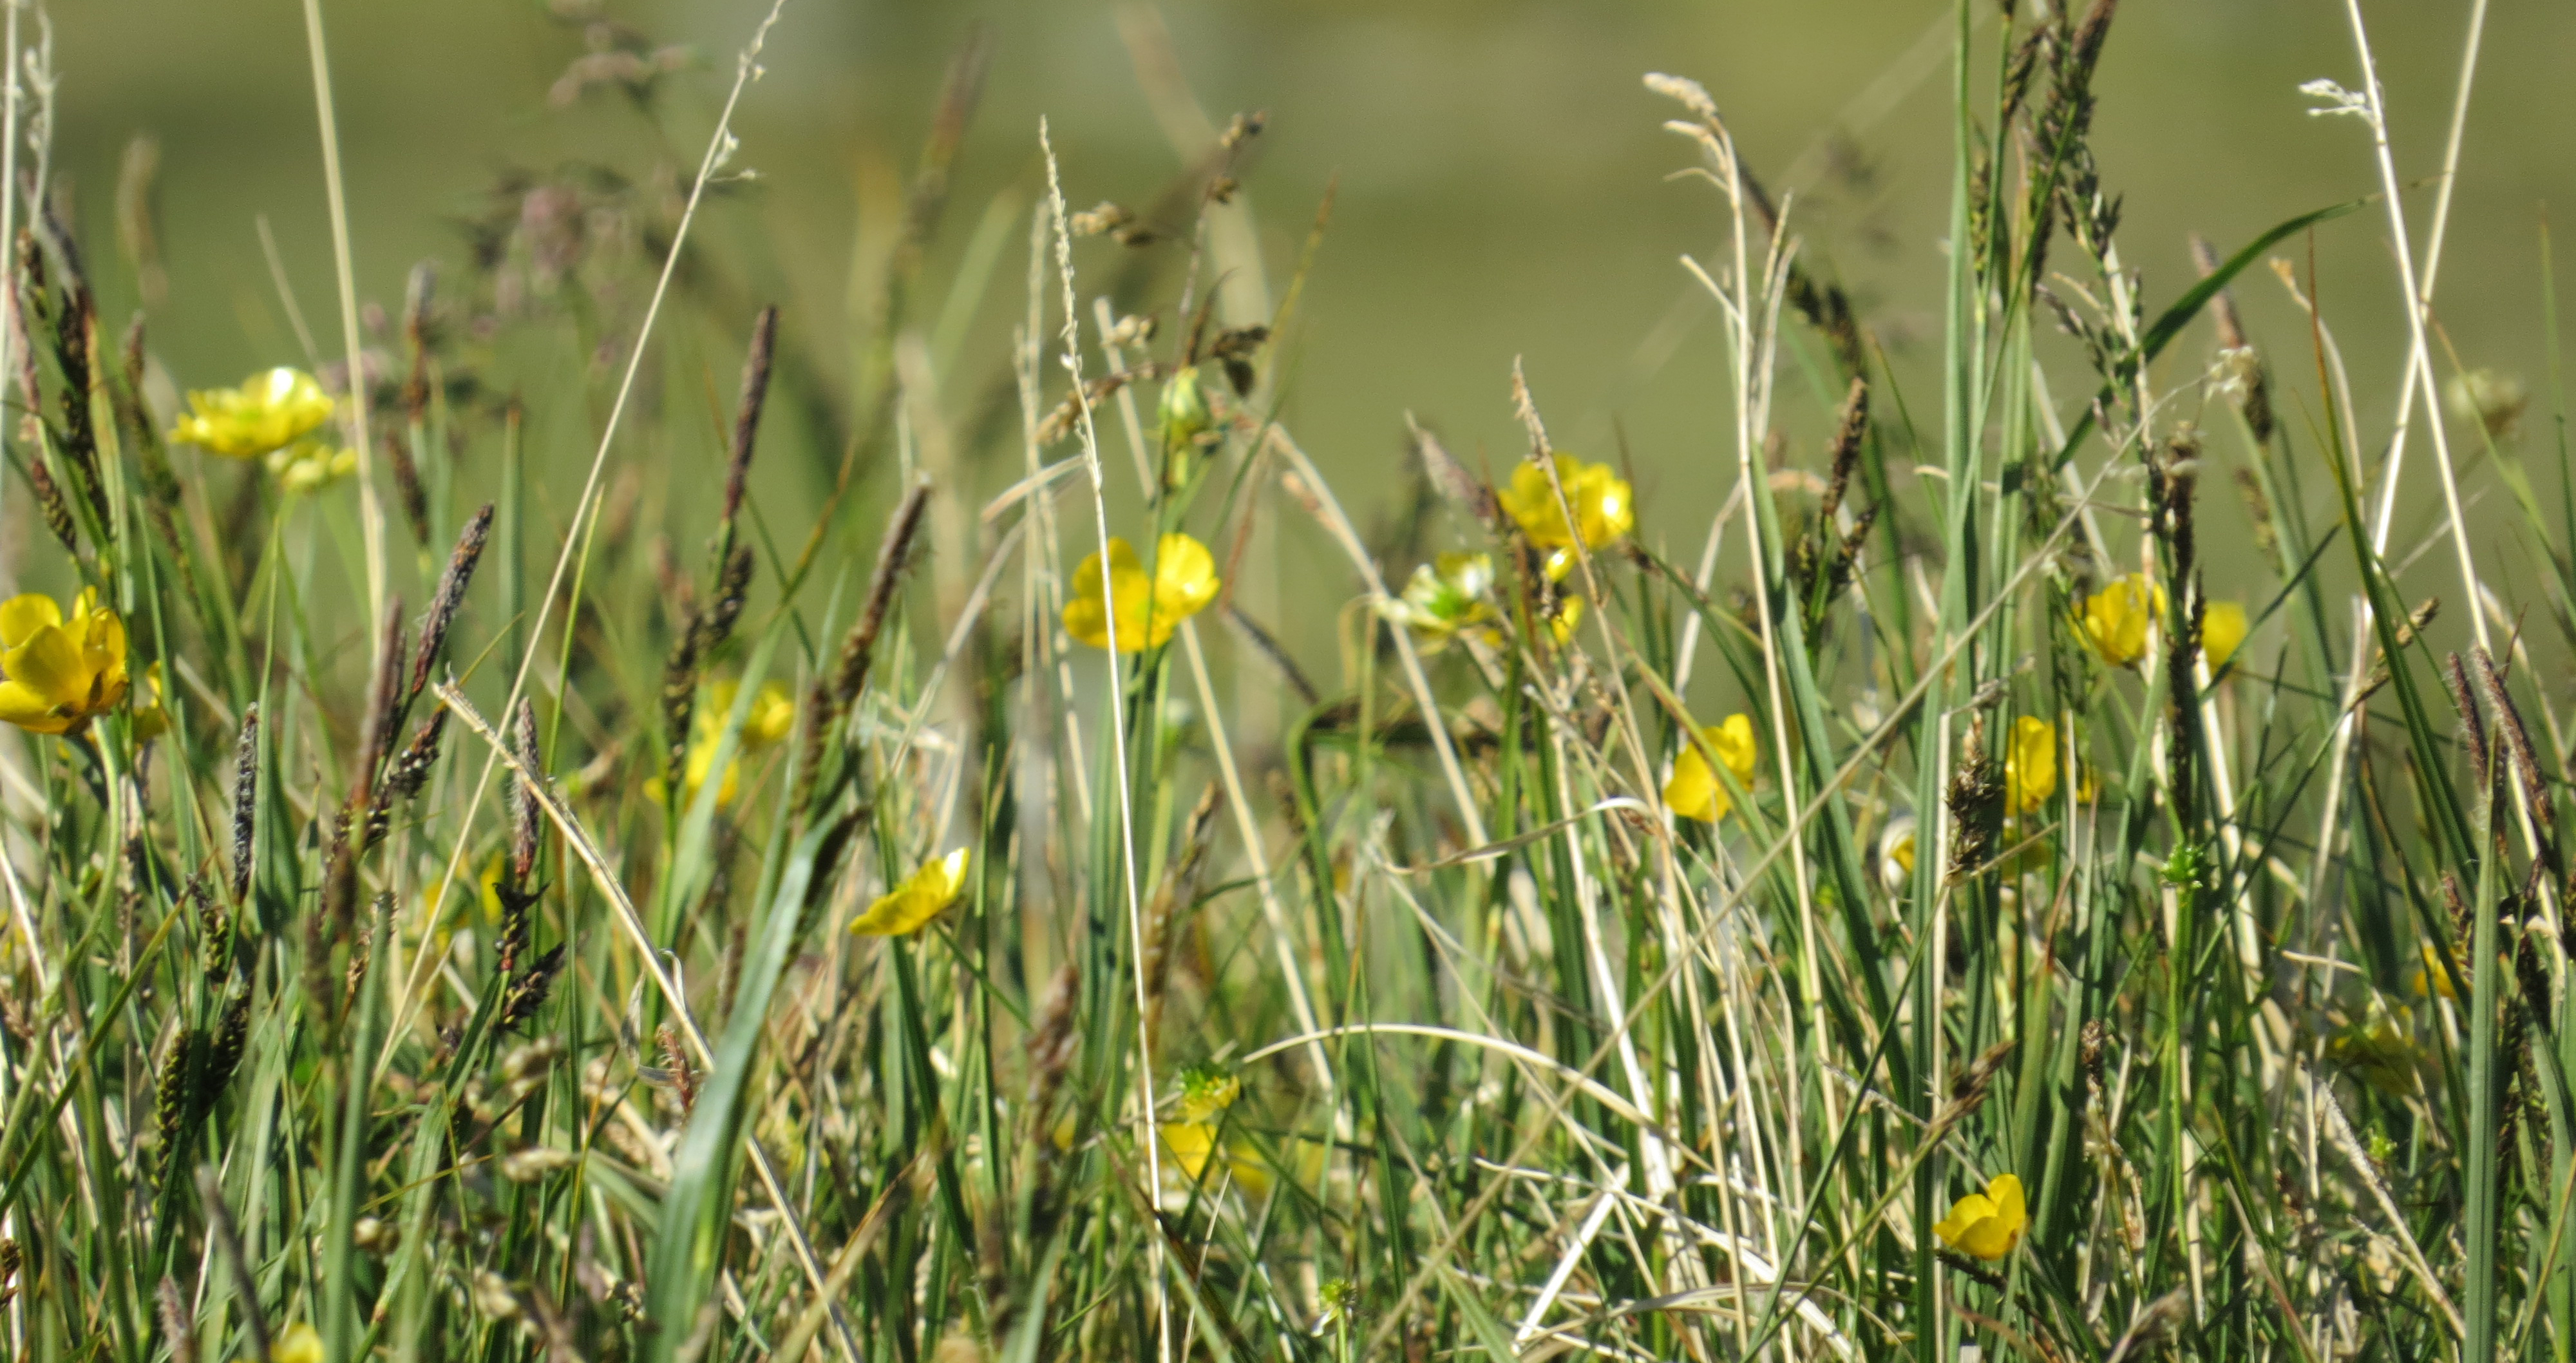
{"x":1185,"y":418}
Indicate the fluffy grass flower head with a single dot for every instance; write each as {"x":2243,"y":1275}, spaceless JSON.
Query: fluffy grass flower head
{"x":1602,"y":505}
{"x":267,"y":412}
{"x":1149,"y":607}
{"x":62,"y":670}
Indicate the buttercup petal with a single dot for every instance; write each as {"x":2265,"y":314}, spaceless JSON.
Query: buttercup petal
{"x":22,"y":616}
{"x":49,"y":664}
{"x":1185,"y":579}
{"x":22,"y":706}
{"x":2030,"y":765}
{"x":911,"y":905}
{"x":2222,"y":631}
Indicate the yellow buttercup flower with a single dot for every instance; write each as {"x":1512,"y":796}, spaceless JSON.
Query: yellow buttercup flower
{"x":701,"y":764}
{"x":1602,"y":505}
{"x":1193,"y":1145}
{"x":904,"y":909}
{"x":1986,"y":1224}
{"x":1694,"y":792}
{"x":2222,"y":630}
{"x":2432,"y":978}
{"x":1184,"y":581}
{"x":297,"y":1343}
{"x":771,"y":718}
{"x":267,"y":412}
{"x":2030,"y":765}
{"x":311,"y":465}
{"x":2115,"y":619}
{"x":61,"y":671}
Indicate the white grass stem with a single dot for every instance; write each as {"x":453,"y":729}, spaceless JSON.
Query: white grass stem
{"x":371,"y":512}
{"x":1090,"y":431}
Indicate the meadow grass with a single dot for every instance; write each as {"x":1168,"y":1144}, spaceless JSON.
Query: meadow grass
{"x":451,"y":915}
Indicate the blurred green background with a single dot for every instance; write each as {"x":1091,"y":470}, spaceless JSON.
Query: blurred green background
{"x":1504,"y":187}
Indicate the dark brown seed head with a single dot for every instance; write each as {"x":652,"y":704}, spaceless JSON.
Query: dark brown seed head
{"x":450,"y":596}
{"x":733,"y":587}
{"x":172,"y":1094}
{"x":407,"y":489}
{"x":411,"y":770}
{"x":2517,"y":739}
{"x":1844,"y":454}
{"x":1976,"y":801}
{"x":746,"y":422}
{"x":680,"y":699}
{"x":528,"y":990}
{"x":245,"y":800}
{"x":224,"y":1056}
{"x":2473,"y":725}
{"x":527,"y":827}
{"x":851,"y":674}
{"x":49,"y":500}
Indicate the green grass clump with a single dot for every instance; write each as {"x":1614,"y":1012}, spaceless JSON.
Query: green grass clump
{"x":731,"y":921}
